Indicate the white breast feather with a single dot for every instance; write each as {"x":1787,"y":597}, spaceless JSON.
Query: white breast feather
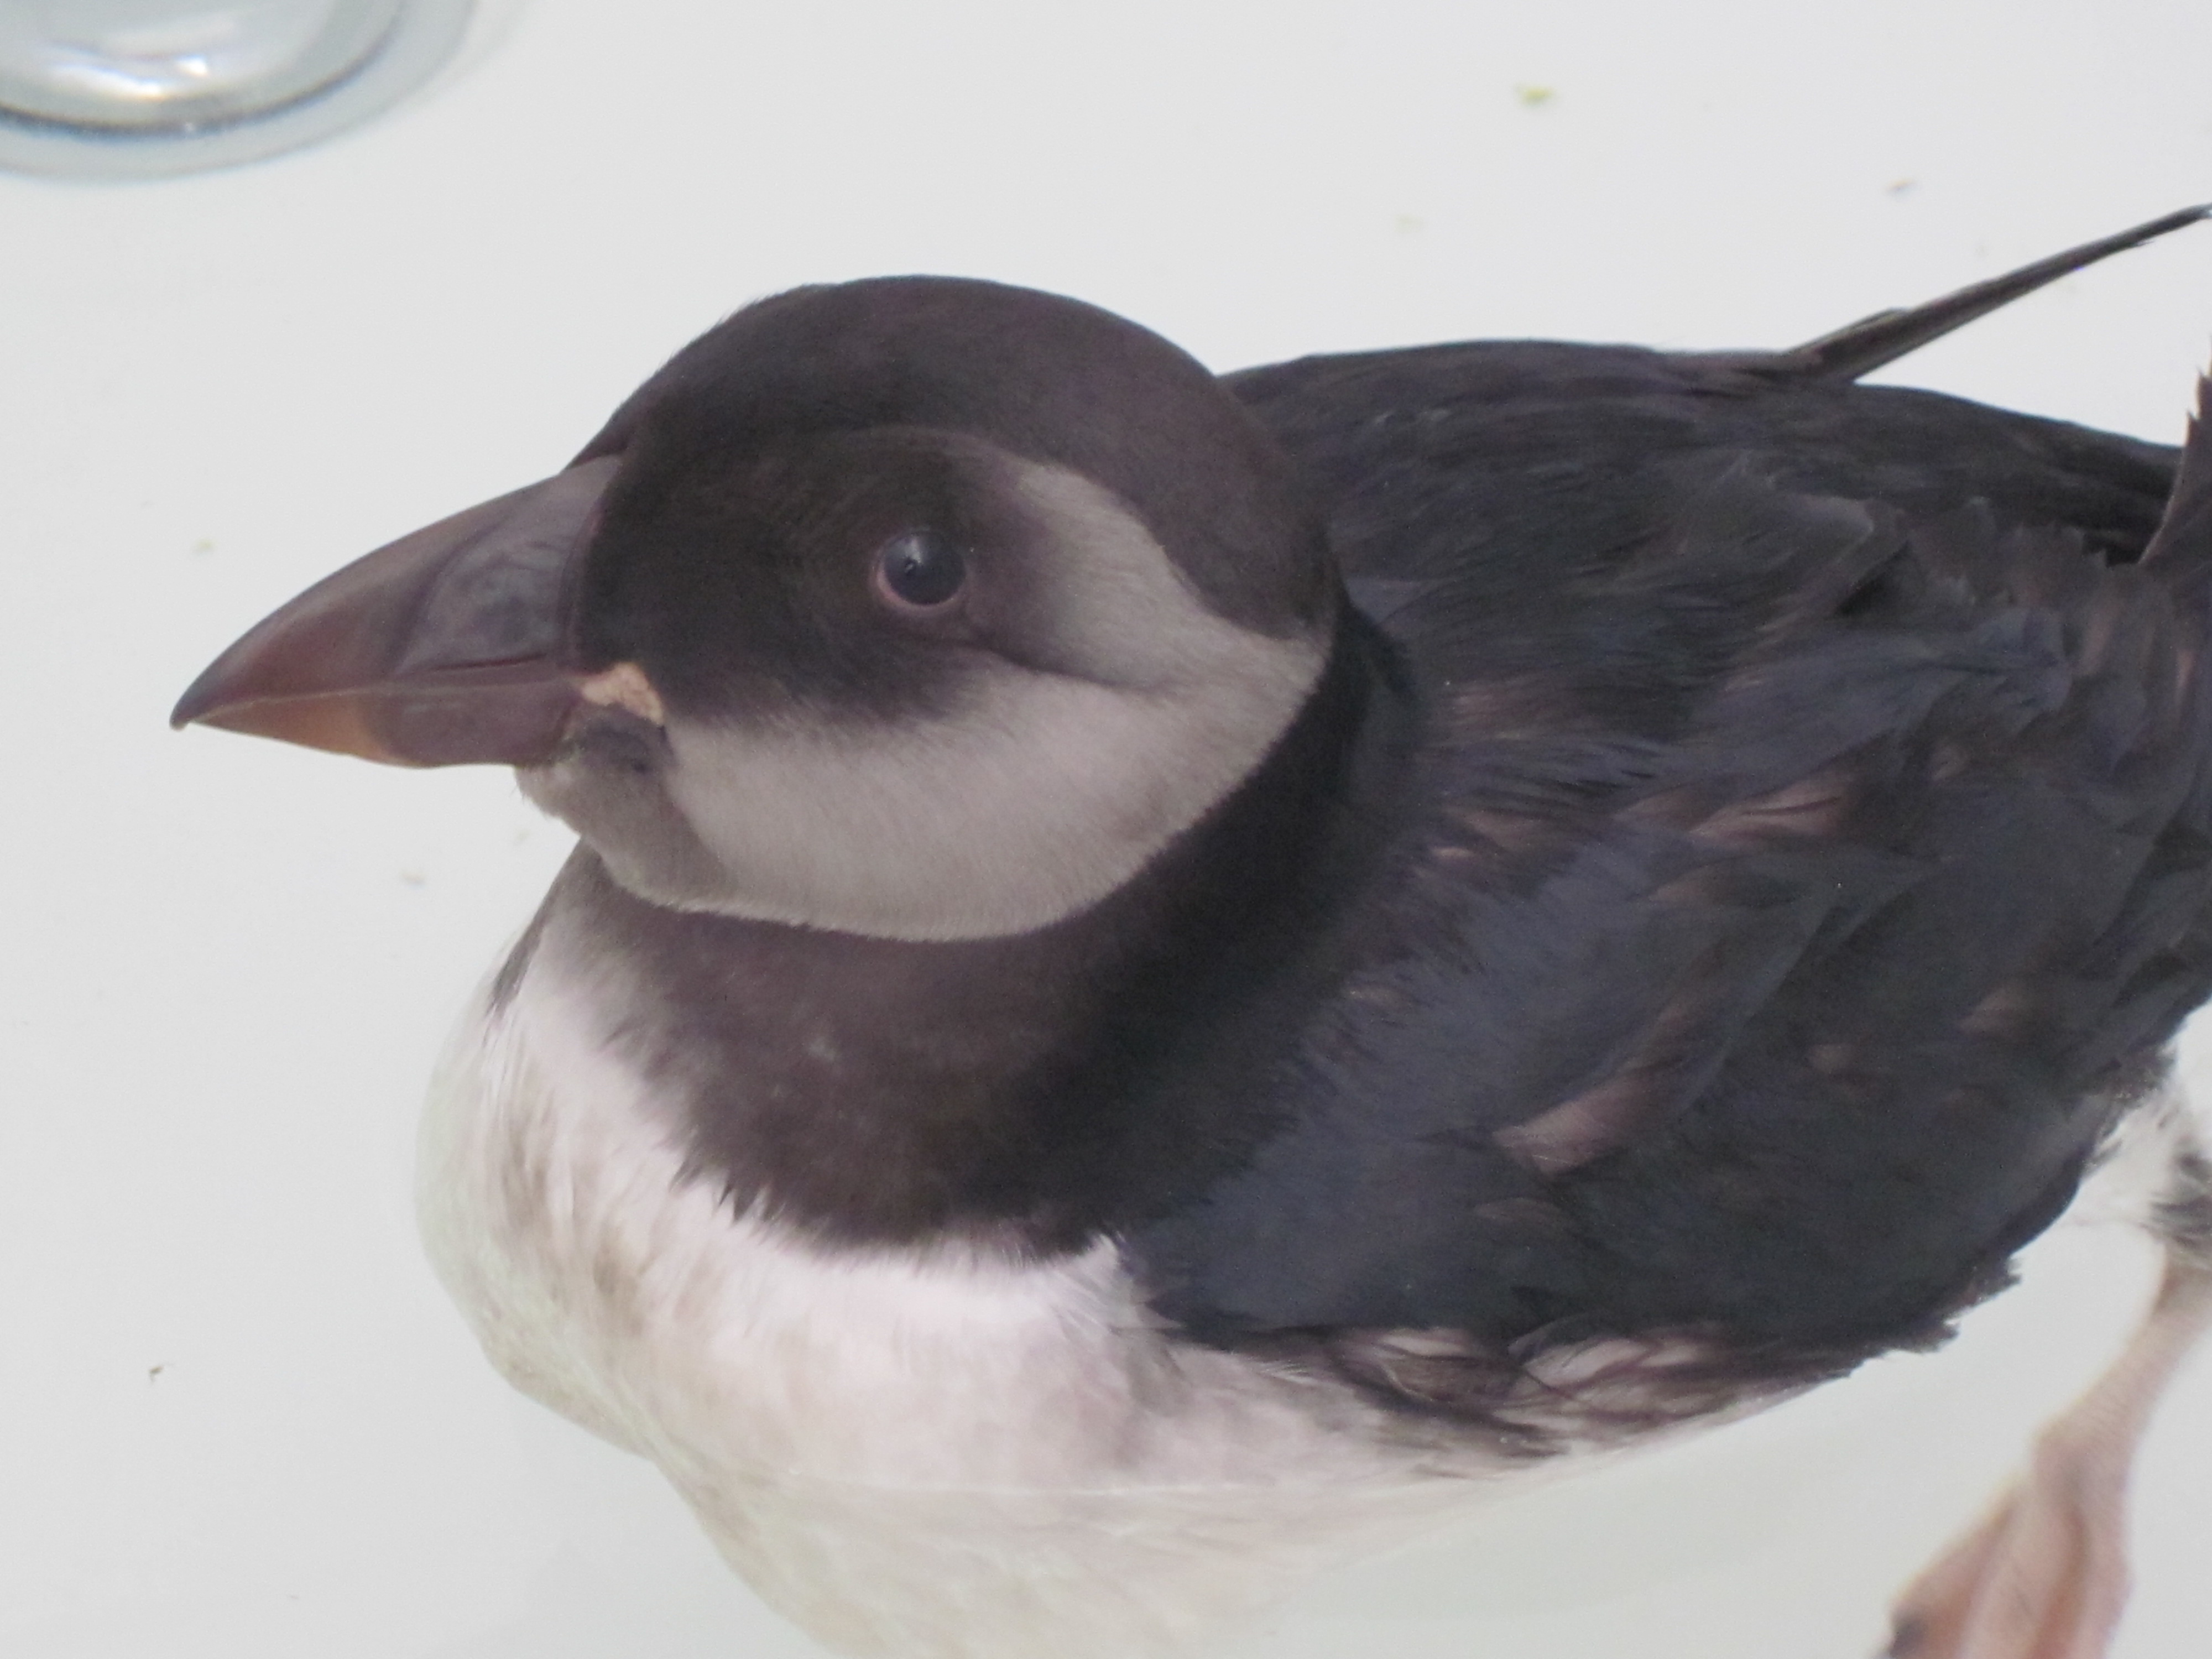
{"x":933,"y":1453}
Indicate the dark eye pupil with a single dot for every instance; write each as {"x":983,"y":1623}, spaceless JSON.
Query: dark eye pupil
{"x":922,"y":569}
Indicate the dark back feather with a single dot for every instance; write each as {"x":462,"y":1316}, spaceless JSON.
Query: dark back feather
{"x":1815,"y":852}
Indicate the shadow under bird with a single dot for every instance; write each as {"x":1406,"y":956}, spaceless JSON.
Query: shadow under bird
{"x":1169,"y":978}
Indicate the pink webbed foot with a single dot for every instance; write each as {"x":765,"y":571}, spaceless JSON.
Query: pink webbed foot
{"x":2045,"y":1575}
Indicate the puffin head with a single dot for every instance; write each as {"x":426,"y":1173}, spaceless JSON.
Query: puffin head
{"x":915,"y":607}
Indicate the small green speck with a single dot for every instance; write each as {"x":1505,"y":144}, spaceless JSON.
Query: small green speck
{"x":1533,"y":97}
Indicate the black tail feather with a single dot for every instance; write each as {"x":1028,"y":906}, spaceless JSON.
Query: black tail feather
{"x":1873,"y":341}
{"x":2182,"y":544}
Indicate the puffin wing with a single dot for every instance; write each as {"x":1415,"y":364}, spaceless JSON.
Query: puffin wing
{"x":1802,"y":883}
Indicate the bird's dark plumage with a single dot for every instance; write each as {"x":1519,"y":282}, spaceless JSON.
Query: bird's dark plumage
{"x":1810,"y":859}
{"x":1510,"y":893}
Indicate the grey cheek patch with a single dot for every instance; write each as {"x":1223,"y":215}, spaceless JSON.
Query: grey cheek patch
{"x":1045,"y":795}
{"x":1036,"y":797}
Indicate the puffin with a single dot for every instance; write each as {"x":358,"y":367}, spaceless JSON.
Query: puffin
{"x":1169,"y":979}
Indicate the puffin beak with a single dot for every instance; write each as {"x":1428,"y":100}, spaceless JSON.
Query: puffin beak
{"x":442,"y":649}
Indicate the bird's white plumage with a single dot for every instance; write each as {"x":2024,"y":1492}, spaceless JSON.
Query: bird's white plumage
{"x":947,"y":1453}
{"x":942,"y":1452}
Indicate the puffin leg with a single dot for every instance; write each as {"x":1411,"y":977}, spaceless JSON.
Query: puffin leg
{"x":2044,"y":1575}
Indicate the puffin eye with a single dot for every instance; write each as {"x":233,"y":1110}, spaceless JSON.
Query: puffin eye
{"x":919,"y":569}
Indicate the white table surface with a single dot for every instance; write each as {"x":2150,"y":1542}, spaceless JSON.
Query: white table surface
{"x":237,"y":1420}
